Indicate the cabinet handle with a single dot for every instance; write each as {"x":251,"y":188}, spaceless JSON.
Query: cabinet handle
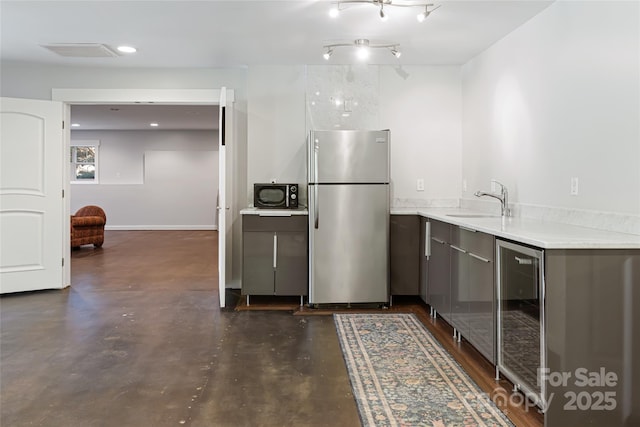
{"x":478,"y":257}
{"x":524,"y":261}
{"x":275,"y":250}
{"x":467,"y":229}
{"x":458,"y":249}
{"x":427,"y":240}
{"x":442,"y":242}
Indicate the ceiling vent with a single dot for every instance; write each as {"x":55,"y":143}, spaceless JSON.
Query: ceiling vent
{"x":81,"y":50}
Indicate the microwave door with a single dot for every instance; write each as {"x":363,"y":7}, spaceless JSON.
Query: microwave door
{"x":271,"y":197}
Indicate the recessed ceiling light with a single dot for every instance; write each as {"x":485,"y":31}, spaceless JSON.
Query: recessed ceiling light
{"x":153,"y":125}
{"x":127,"y":49}
{"x":75,"y":125}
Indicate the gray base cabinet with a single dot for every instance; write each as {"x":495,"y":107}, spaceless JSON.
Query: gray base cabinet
{"x":457,"y":274}
{"x":274,"y":255}
{"x":472,"y":288}
{"x":404,"y":256}
{"x":592,"y":327}
{"x":439,"y":272}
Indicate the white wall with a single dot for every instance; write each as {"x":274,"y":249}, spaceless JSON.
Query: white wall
{"x":559,"y":98}
{"x":27,"y":80}
{"x":276,"y":125}
{"x":153,"y":179}
{"x":423,"y":112}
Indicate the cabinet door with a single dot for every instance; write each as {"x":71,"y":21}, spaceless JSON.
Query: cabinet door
{"x":257,"y":267}
{"x":404,"y":242}
{"x":291,"y":264}
{"x":439,"y":274}
{"x":481,"y":307}
{"x":459,"y":290}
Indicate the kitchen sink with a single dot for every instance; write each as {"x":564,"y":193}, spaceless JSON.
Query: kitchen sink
{"x":472,"y":216}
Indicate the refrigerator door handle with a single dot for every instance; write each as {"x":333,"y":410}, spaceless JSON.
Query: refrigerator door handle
{"x":316,"y":214}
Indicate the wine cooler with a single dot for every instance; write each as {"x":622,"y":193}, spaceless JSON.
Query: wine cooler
{"x":520,"y":318}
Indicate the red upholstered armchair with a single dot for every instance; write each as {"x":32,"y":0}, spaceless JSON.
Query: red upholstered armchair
{"x":87,"y":226}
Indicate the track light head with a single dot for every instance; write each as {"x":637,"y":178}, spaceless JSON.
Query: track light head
{"x":395,"y":52}
{"x":334,"y":12}
{"x":363,"y":48}
{"x":383,"y":15}
{"x":362,"y":53}
{"x":327,"y":54}
{"x":425,"y":14}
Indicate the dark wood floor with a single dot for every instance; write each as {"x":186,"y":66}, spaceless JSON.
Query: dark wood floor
{"x":139,"y":340}
{"x":481,"y":371}
{"x":476,"y":365}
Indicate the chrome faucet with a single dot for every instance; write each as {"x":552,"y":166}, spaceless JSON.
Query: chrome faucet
{"x":503,"y":197}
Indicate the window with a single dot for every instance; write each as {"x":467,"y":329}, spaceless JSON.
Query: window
{"x":84,"y":161}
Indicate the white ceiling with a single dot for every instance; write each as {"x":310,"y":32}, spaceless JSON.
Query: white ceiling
{"x":216,"y":33}
{"x":138,"y":117}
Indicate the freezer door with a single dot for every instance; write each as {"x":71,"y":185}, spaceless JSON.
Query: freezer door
{"x":349,"y":261}
{"x":348,"y":156}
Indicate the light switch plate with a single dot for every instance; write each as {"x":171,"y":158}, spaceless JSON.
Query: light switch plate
{"x":420,"y":184}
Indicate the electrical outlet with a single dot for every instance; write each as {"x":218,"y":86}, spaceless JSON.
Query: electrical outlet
{"x":574,"y":186}
{"x":420,"y":184}
{"x":464,"y":185}
{"x":494,"y":186}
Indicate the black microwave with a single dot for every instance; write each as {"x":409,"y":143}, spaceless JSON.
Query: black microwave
{"x":275,"y":196}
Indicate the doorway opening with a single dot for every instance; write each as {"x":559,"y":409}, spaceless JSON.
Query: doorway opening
{"x":215,"y":97}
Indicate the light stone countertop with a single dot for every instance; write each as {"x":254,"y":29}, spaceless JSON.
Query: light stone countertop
{"x":543,"y":234}
{"x":274,"y":212}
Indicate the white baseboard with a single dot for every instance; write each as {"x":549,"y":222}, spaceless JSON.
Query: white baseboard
{"x":160,"y":227}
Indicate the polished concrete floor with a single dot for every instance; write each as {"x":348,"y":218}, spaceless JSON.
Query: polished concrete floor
{"x":139,"y":340}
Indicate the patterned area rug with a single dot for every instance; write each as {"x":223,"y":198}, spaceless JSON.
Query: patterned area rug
{"x":401,"y":376}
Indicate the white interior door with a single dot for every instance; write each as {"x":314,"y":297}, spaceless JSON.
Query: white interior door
{"x":31,"y":195}
{"x":224,"y":201}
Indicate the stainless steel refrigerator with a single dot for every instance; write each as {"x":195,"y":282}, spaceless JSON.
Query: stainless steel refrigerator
{"x":348,"y":199}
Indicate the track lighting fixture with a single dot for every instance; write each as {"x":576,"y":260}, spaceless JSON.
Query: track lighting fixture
{"x":337,"y":6}
{"x":363,"y":47}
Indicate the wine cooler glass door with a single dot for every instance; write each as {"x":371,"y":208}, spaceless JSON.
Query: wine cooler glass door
{"x":521,"y":317}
